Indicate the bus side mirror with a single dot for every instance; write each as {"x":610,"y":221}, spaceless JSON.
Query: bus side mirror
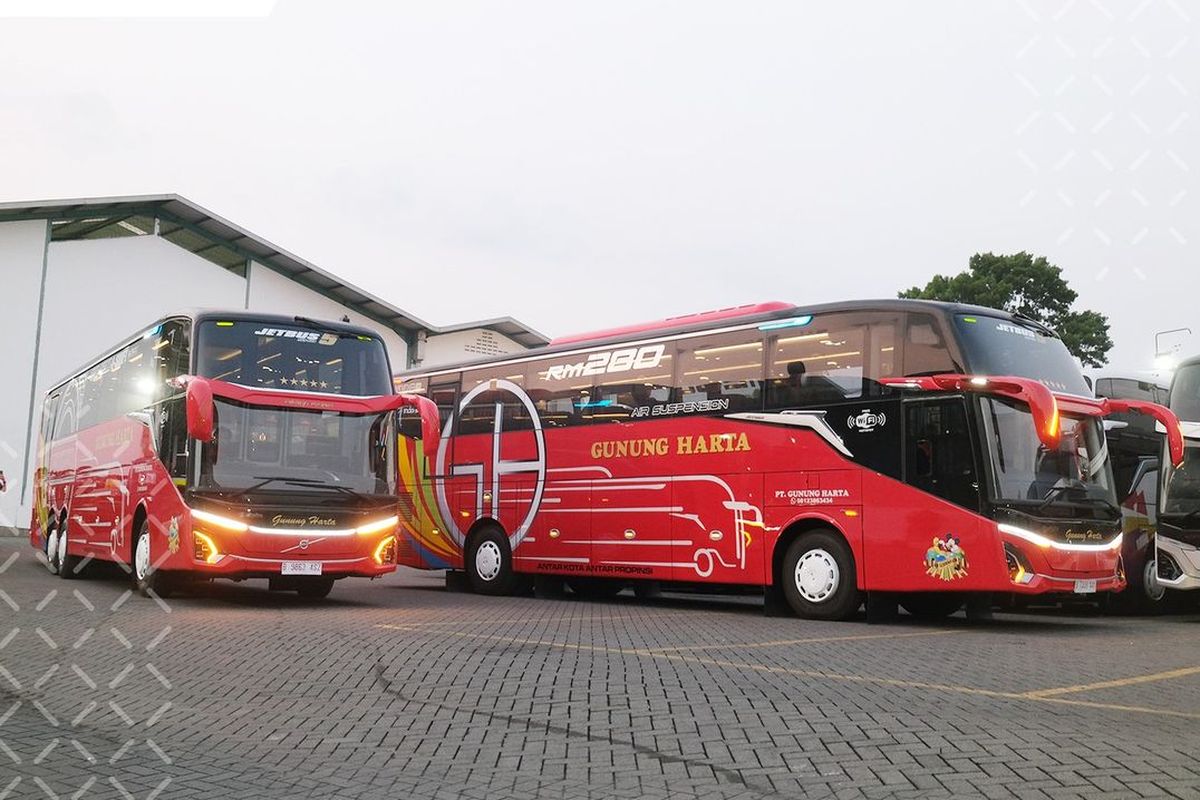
{"x":199,"y":410}
{"x":431,"y":425}
{"x":1161,"y":414}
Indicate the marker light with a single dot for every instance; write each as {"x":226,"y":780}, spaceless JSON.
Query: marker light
{"x":385,"y":553}
{"x":1047,"y":543}
{"x":206,"y":548}
{"x":219,"y":521}
{"x":794,"y":322}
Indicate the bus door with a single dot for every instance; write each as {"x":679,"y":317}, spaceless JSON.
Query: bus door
{"x":939,"y":460}
{"x":938,"y":457}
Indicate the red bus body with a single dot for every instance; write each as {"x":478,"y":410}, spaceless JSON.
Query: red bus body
{"x":718,"y":497}
{"x":96,"y":485}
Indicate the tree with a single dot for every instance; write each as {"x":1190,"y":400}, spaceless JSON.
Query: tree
{"x":1031,"y":287}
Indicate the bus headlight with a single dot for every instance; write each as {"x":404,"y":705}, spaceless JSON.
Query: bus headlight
{"x":1046,"y":542}
{"x":385,"y":553}
{"x":219,"y":521}
{"x":1019,"y":570}
{"x":205,"y":548}
{"x":378,"y":526}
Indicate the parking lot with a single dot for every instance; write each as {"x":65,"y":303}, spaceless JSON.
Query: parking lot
{"x":399,"y":688}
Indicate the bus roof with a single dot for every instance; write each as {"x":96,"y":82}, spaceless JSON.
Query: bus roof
{"x":721,"y":318}
{"x":201,"y":314}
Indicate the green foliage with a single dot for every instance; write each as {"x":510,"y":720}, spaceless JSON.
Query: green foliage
{"x":1031,"y":287}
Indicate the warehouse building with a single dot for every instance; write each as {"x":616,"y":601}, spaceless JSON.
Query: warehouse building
{"x":79,"y":275}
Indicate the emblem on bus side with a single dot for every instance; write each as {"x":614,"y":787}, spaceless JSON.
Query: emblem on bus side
{"x":173,"y":535}
{"x":946,"y":559}
{"x":866,"y":421}
{"x":488,"y":474}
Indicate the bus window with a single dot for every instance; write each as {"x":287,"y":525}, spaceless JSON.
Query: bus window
{"x":937,"y":450}
{"x":631,"y":391}
{"x":725,"y":371}
{"x":840,"y":358}
{"x":560,"y":401}
{"x":479,"y":415}
{"x":925,"y":350}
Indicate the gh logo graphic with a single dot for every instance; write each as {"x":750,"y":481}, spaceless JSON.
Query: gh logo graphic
{"x":488,"y":476}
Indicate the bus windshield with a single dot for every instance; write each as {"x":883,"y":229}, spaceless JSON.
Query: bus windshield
{"x":287,"y":450}
{"x":296,"y":357}
{"x":1181,"y":485}
{"x":1024,"y":470}
{"x":996,"y":346}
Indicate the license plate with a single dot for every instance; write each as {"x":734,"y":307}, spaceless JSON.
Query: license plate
{"x":1085,"y":586}
{"x":314,"y":568}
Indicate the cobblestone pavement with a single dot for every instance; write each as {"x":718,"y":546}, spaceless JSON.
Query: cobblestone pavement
{"x":400,"y":689}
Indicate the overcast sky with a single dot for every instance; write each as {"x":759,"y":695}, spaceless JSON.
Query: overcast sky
{"x":583,"y":165}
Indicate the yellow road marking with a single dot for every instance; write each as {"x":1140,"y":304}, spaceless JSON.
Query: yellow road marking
{"x":1133,"y":681}
{"x":1035,"y":696}
{"x":809,"y":640}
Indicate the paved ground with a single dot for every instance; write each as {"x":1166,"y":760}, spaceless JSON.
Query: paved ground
{"x":400,"y":689}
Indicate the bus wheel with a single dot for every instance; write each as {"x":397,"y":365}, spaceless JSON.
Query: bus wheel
{"x":489,"y":562}
{"x":66,"y":565}
{"x":147,"y":579}
{"x":931,"y":605}
{"x":52,"y":550}
{"x":818,"y":577}
{"x":315,"y":588}
{"x":595,"y":588}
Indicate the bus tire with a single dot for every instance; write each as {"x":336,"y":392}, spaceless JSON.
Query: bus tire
{"x":819,"y":578}
{"x":147,"y":580}
{"x":314,"y":588}
{"x":932,"y":605}
{"x":1143,"y":594}
{"x":68,"y":566}
{"x":489,"y":562}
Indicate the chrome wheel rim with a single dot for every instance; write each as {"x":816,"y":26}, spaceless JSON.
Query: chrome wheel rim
{"x":487,"y":561}
{"x":141,"y":557}
{"x":817,"y":576}
{"x":52,"y":557}
{"x":1150,"y":585}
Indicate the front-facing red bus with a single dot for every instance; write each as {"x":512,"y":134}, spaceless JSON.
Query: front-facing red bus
{"x":224,"y":445}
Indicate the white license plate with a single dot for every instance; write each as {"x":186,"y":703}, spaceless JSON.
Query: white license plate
{"x":314,"y":568}
{"x":1085,"y":586}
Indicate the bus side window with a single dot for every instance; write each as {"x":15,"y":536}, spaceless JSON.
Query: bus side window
{"x":839,"y":357}
{"x":560,"y":402}
{"x":725,"y":370}
{"x":925,"y":349}
{"x":479,"y":416}
{"x":172,"y":436}
{"x":937,"y":450}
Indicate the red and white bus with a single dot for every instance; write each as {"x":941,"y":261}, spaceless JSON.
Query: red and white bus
{"x":923,"y":453}
{"x":225,"y":445}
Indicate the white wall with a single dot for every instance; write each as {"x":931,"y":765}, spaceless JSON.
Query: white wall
{"x":449,"y":348}
{"x":100,"y":291}
{"x":22,"y":246}
{"x":277,"y":294}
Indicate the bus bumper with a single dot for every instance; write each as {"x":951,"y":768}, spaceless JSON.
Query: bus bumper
{"x":1040,"y":570}
{"x":233,"y":565}
{"x":1182,"y":561}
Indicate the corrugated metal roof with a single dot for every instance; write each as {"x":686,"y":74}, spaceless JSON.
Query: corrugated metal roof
{"x":216,"y":239}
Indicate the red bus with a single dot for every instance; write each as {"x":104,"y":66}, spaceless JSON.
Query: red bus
{"x":224,"y":445}
{"x":902,"y":452}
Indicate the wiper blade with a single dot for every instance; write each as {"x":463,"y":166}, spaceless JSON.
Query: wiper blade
{"x":315,"y":484}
